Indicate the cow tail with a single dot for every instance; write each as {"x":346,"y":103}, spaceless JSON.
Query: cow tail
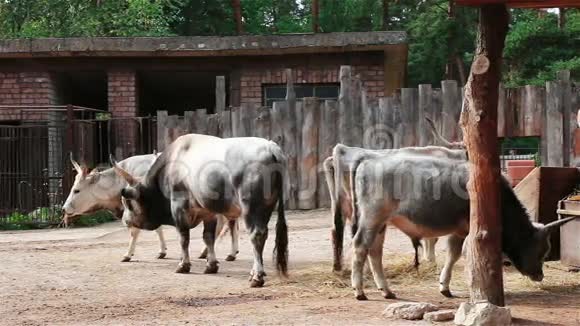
{"x":337,"y":233}
{"x":352,"y":180}
{"x":281,"y":242}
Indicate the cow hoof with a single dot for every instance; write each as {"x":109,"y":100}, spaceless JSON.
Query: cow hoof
{"x":389,"y":295}
{"x":230,"y":258}
{"x":361,"y":297}
{"x":211,"y":268}
{"x":447,"y":293}
{"x":183,"y":269}
{"x":337,"y":268}
{"x":161,"y":255}
{"x":256,"y":283}
{"x":126,"y":259}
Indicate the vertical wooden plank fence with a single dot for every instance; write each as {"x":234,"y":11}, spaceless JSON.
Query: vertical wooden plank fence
{"x":308,"y":129}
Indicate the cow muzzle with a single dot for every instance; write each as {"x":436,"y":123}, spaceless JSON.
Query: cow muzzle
{"x":537,"y":277}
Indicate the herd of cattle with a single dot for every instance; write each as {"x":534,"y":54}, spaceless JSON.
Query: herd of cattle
{"x":214,"y":181}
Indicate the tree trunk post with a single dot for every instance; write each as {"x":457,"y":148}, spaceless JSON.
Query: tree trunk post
{"x":479,"y":124}
{"x":386,"y":17}
{"x":237,"y":6}
{"x":315,"y":16}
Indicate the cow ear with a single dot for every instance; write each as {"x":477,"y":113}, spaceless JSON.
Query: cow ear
{"x":94,"y":176}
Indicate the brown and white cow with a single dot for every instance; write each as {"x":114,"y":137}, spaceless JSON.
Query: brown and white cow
{"x":199,"y":176}
{"x":425,"y":197}
{"x":339,"y":169}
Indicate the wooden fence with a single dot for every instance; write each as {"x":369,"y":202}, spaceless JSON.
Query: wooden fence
{"x":308,"y":129}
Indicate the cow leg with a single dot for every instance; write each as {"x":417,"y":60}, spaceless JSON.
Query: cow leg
{"x":233,"y":226}
{"x":134,"y":232}
{"x":362,"y":241}
{"x":209,"y":236}
{"x":162,"y":244}
{"x":454,"y":246}
{"x":180,"y":215}
{"x":429,"y":249}
{"x":258,"y":235}
{"x":376,"y":263}
{"x":218,"y":231}
{"x":185,"y":265}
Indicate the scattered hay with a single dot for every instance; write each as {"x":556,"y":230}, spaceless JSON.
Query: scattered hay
{"x":320,"y":280}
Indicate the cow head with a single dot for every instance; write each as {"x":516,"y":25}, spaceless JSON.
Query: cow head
{"x":531,"y":257}
{"x":138,"y":201}
{"x":86,"y":195}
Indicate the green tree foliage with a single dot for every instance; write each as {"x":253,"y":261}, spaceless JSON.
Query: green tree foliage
{"x":65,"y":18}
{"x":536,"y":49}
{"x":202,"y":17}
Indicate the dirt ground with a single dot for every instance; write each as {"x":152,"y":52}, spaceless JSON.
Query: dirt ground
{"x":75,"y":277}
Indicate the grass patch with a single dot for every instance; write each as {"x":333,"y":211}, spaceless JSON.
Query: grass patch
{"x":50,"y":217}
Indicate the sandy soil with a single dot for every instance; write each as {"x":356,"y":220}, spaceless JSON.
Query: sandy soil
{"x":75,"y":277}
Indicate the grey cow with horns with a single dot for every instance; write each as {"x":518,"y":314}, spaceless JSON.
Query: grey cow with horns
{"x":199,"y":176}
{"x":426,"y":197}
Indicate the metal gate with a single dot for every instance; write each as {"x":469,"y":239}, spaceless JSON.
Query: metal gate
{"x":35,"y":143}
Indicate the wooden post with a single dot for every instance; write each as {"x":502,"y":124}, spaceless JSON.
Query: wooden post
{"x":553,"y":130}
{"x":201,"y":121}
{"x":262,"y":123}
{"x":479,"y":123}
{"x":282,"y":134}
{"x":213,"y":123}
{"x":226,"y":123}
{"x":315,"y":16}
{"x":309,"y":154}
{"x":425,"y":110}
{"x":161,"y":129}
{"x":451,"y":110}
{"x":394,"y":103}
{"x":328,"y":136}
{"x":220,"y":94}
{"x":569,"y":117}
{"x":237,"y":6}
{"x":409,"y":117}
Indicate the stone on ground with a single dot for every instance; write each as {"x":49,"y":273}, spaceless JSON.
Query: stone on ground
{"x":441,"y":315}
{"x":408,"y":310}
{"x":482,"y":314}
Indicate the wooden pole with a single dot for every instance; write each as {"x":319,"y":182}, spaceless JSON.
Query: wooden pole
{"x":237,"y":6}
{"x":315,"y":16}
{"x":479,"y":123}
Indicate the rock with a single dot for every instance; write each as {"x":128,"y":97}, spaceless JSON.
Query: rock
{"x":482,"y":314}
{"x":408,"y":310}
{"x":441,"y":315}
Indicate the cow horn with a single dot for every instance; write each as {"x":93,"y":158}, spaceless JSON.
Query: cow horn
{"x":440,"y":138}
{"x":121,"y":172}
{"x":556,"y":224}
{"x":75,"y":164}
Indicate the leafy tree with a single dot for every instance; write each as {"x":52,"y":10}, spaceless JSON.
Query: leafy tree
{"x":536,"y":49}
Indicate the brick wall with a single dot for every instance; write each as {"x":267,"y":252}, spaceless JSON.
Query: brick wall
{"x":25,"y":88}
{"x":123,"y":105}
{"x":251,"y":80}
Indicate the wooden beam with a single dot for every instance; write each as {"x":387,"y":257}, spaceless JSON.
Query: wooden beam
{"x":479,"y":124}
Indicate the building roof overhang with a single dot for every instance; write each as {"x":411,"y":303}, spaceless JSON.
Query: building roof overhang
{"x":200,"y":46}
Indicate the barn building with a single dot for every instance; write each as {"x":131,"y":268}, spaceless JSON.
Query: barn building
{"x":137,"y":76}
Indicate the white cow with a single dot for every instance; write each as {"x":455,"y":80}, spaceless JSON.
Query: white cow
{"x":101,"y":190}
